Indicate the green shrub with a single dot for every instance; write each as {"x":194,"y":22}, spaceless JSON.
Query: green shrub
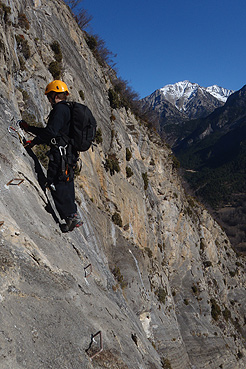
{"x":23,"y":46}
{"x":29,"y":118}
{"x":165,"y":363}
{"x":145,"y":179}
{"x":55,"y":69}
{"x":126,"y":227}
{"x":102,"y":54}
{"x":119,"y":277}
{"x":128,"y":154}
{"x":112,"y":164}
{"x":202,"y":245}
{"x":161,"y":246}
{"x":2,"y":47}
{"x":98,"y":136}
{"x":215,"y":309}
{"x":149,"y":252}
{"x":195,"y":289}
{"x":240,"y":355}
{"x":226,"y":314}
{"x":176,"y":163}
{"x":188,"y":211}
{"x":23,"y":21}
{"x":192,"y":201}
{"x":91,"y":42}
{"x":5,"y":11}
{"x":239,"y":264}
{"x":40,"y":151}
{"x":77,"y":169}
{"x":116,"y":218}
{"x":152,"y":162}
{"x":24,"y":94}
{"x":22,"y":63}
{"x":127,"y":97}
{"x":232,"y":273}
{"x":161,"y":295}
{"x":55,"y":46}
{"x":207,"y":264}
{"x":129,"y":172}
{"x":81,"y":94}
{"x":114,"y":99}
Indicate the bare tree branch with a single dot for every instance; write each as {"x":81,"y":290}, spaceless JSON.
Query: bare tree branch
{"x":73,"y":3}
{"x":83,"y":18}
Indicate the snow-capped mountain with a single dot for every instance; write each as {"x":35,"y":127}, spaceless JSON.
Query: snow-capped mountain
{"x":180,"y":94}
{"x":174,"y":104}
{"x":219,"y":92}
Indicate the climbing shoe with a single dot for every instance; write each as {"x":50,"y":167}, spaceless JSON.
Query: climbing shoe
{"x":73,"y":221}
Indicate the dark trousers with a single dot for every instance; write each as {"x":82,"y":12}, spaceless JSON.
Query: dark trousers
{"x":64,"y":198}
{"x":64,"y":194}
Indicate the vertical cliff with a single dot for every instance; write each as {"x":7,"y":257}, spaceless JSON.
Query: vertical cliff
{"x":150,"y":269}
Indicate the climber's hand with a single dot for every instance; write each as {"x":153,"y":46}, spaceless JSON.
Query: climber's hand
{"x":24,"y":125}
{"x":29,"y":144}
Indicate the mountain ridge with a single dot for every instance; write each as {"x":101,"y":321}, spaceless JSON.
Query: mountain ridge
{"x":175,"y":104}
{"x":180,"y":93}
{"x":222,"y":118}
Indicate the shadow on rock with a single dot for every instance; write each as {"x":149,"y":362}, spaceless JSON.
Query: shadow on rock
{"x":42,"y":180}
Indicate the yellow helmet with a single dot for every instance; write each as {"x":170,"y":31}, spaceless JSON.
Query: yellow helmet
{"x":57,"y":86}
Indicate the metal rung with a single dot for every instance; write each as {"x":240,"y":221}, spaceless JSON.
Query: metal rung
{"x":88,"y":270}
{"x":91,"y":350}
{"x":15,"y":182}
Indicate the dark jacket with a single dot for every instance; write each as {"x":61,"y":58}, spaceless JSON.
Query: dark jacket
{"x":58,"y":124}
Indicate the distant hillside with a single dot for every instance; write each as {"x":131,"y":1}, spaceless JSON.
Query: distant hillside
{"x":214,"y":153}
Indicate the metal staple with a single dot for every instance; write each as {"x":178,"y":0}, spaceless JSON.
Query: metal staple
{"x":99,"y":333}
{"x":19,"y":181}
{"x":90,"y":270}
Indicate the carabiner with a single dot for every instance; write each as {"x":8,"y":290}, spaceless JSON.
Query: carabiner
{"x":14,"y":132}
{"x":63,"y":150}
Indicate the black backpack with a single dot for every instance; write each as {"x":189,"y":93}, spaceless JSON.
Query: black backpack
{"x":82,"y":126}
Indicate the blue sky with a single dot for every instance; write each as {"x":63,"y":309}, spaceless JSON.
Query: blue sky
{"x":166,"y":41}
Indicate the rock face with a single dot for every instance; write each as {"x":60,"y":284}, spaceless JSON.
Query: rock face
{"x":165,"y":290}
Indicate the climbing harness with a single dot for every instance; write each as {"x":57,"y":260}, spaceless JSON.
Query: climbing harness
{"x":63,"y":150}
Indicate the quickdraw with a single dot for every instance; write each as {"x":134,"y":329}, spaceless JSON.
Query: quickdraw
{"x":64,"y":166}
{"x":14,"y":132}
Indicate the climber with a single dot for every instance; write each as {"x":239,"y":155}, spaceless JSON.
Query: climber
{"x":62,"y":157}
